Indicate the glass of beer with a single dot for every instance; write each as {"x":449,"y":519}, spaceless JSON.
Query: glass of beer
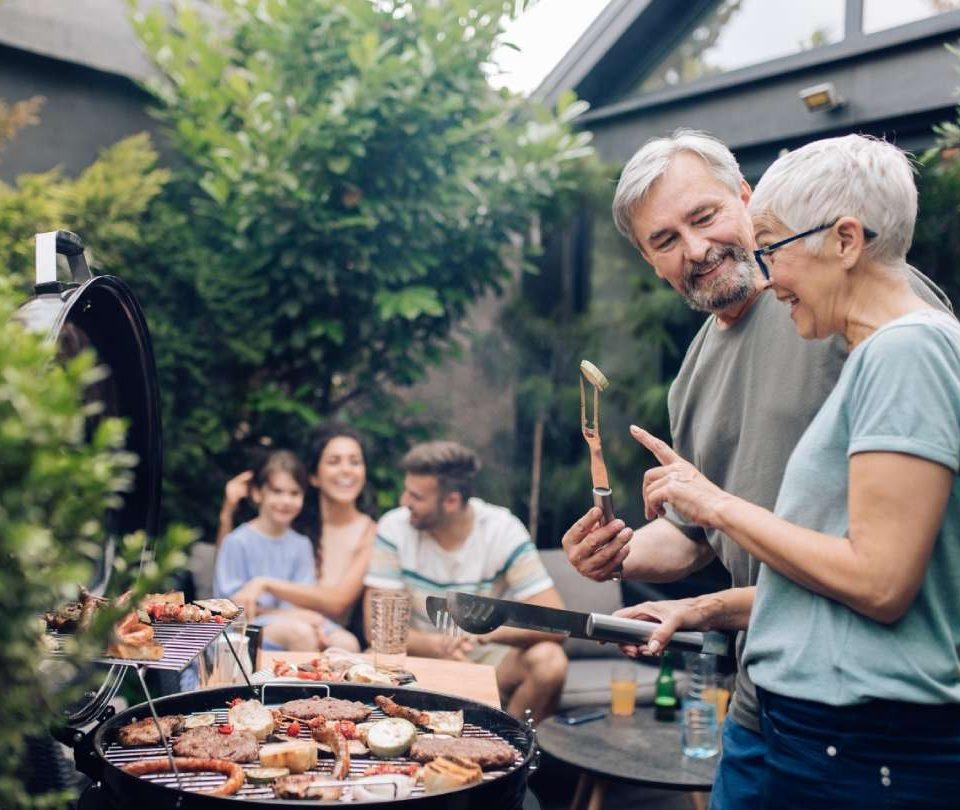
{"x":623,"y":688}
{"x":389,"y":628}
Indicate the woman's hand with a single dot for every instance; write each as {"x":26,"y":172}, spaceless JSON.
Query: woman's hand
{"x":678,"y":483}
{"x":672,"y":615}
{"x":248,"y":595}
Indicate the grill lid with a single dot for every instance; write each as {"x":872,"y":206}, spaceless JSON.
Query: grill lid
{"x":101,"y":313}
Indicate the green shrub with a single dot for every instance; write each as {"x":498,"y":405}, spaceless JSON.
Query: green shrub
{"x":347,"y":184}
{"x":55,"y":489}
{"x":105,"y":204}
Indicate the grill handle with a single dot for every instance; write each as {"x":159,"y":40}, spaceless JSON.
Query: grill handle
{"x":86,"y":761}
{"x":534,"y":744}
{"x":315,"y":684}
{"x":618,"y":630}
{"x":64,"y":243}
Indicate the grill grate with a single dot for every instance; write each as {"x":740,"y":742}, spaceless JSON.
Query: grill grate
{"x":197,"y":782}
{"x":181,"y":644}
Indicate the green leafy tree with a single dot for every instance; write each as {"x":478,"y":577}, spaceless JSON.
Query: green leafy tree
{"x":346,"y":185}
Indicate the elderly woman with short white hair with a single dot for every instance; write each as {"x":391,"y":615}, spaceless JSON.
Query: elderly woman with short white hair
{"x":854,"y":638}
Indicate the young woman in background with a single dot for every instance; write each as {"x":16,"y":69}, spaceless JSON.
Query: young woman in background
{"x":346,"y":534}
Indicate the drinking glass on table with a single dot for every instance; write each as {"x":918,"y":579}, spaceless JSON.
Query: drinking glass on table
{"x":218,"y":667}
{"x":623,"y":688}
{"x":389,"y":628}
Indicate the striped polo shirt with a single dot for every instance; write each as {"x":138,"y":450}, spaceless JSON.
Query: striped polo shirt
{"x":498,"y":559}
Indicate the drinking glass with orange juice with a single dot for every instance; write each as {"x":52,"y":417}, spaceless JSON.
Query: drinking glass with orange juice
{"x":623,"y":688}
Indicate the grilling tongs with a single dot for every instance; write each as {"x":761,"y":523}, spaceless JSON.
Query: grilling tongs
{"x":602,"y":494}
{"x":477,"y":614}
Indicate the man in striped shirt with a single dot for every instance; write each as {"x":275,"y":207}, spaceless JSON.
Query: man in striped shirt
{"x":442,"y":539}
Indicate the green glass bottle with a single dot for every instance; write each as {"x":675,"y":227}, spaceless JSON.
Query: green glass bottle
{"x":665,"y":699}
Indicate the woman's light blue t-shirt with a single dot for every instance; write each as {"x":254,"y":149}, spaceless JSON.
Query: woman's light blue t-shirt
{"x":899,"y":392}
{"x":246,"y":553}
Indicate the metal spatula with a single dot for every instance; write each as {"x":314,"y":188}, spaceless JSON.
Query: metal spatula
{"x":482,"y":614}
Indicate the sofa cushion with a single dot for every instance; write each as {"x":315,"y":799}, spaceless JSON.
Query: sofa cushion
{"x":583,"y":595}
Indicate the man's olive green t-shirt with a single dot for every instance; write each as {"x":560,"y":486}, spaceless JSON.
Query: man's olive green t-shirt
{"x":739,"y":405}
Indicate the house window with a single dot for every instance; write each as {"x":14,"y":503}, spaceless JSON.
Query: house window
{"x":878,"y":15}
{"x":738,"y":33}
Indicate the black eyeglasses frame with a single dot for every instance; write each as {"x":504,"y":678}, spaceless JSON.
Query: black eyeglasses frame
{"x":759,"y":253}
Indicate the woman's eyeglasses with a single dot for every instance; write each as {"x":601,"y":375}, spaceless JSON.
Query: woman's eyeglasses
{"x":759,"y":253}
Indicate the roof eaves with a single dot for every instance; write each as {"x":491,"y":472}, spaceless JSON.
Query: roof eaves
{"x":611,"y":24}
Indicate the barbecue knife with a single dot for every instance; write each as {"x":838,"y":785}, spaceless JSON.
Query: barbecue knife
{"x":481,"y":614}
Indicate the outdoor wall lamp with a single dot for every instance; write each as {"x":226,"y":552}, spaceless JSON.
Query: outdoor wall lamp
{"x":821,"y":97}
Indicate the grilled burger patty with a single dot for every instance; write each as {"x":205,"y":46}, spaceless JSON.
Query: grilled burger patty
{"x":488,"y":754}
{"x":330,"y":708}
{"x":144,"y":732}
{"x":206,"y":742}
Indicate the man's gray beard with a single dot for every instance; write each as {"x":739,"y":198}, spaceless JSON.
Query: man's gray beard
{"x":733,"y":287}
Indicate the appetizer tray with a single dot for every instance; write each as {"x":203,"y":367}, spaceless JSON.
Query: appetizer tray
{"x":163,"y":631}
{"x":266,"y":675}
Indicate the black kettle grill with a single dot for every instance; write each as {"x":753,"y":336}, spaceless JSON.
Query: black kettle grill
{"x":100,"y":313}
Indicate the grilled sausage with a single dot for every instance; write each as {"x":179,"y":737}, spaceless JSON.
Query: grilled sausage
{"x":232,"y":771}
{"x":391,"y":709}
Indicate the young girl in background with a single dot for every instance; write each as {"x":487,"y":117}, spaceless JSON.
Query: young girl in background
{"x":346,"y":534}
{"x":267,"y":549}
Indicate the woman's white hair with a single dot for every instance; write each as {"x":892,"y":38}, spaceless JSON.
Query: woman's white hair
{"x":853,"y":176}
{"x":652,"y":160}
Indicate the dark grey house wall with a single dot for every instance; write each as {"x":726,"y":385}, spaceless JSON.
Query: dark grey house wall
{"x":897,"y":83}
{"x":899,"y":93}
{"x":86,"y":110}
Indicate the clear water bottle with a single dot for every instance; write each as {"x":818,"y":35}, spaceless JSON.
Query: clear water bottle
{"x":699,"y":712}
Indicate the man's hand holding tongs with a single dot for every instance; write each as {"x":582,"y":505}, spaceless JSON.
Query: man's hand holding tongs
{"x":596,"y":551}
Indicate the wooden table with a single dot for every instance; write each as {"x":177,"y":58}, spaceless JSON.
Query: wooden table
{"x":464,"y":680}
{"x":636,"y":749}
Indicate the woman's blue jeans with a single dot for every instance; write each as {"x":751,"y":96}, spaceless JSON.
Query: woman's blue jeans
{"x":880,"y":754}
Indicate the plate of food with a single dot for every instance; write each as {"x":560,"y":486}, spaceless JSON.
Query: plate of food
{"x":333,"y":666}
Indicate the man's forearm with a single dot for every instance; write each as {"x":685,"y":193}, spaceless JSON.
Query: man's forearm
{"x":660,"y":552}
{"x":725,"y":610}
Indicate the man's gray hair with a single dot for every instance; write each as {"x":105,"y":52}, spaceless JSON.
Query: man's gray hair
{"x":852,"y":176}
{"x":652,"y":160}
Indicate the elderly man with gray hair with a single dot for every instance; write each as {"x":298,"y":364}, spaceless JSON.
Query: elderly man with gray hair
{"x":747,"y":390}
